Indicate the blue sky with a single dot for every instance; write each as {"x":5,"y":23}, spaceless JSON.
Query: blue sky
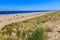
{"x":6,"y":5}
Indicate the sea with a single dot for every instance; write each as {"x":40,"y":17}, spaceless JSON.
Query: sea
{"x":16,"y":12}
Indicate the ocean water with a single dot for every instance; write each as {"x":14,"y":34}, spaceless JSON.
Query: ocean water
{"x":15,"y":12}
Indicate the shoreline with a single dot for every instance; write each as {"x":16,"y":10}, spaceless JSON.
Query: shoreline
{"x":8,"y":19}
{"x":22,"y":12}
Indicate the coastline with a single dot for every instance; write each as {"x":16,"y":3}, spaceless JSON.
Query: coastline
{"x":12,"y":18}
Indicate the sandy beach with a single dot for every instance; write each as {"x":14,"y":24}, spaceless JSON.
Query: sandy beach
{"x":12,"y":18}
{"x":54,"y":23}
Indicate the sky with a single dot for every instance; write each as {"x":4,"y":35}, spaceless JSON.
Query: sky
{"x":23,"y":5}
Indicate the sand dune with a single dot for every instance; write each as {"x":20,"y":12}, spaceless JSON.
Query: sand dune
{"x":50,"y":20}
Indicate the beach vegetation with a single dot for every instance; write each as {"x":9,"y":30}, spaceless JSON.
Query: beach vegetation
{"x":31,"y":29}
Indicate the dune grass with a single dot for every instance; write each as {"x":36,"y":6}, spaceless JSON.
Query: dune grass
{"x":38,"y":34}
{"x":29,"y":29}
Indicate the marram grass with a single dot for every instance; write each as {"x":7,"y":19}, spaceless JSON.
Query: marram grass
{"x":38,"y":34}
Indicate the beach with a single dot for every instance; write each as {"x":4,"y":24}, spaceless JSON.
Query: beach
{"x":48,"y":20}
{"x":12,"y":18}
